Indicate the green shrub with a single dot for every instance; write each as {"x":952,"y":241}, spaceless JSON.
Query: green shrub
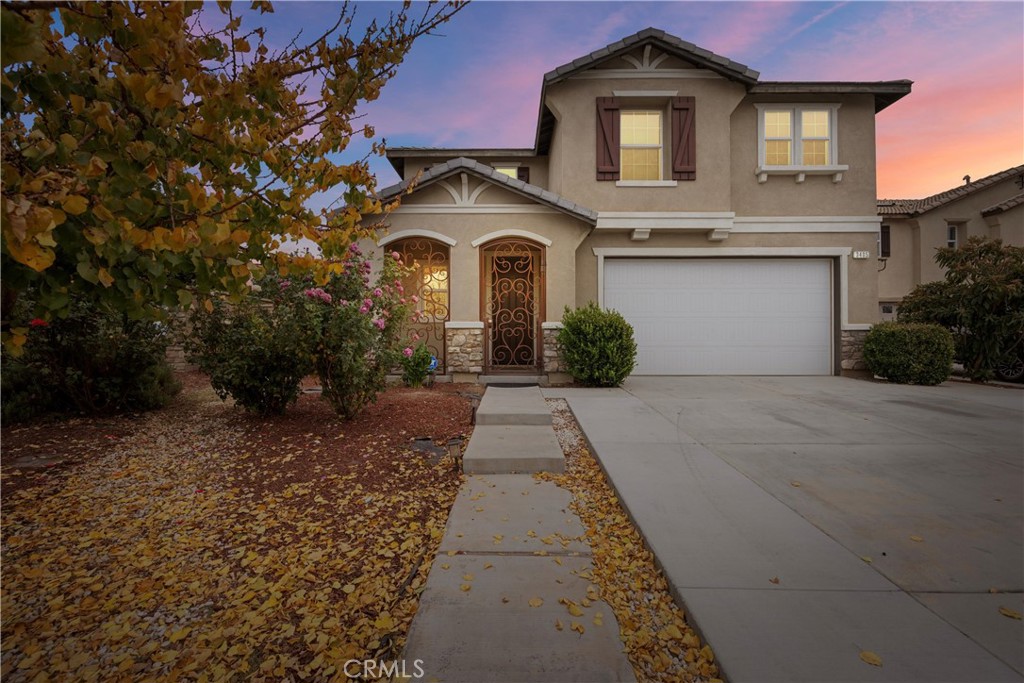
{"x":347,"y":330}
{"x":980,"y":300}
{"x":94,"y":360}
{"x":256,"y":352}
{"x":909,"y":353}
{"x":416,"y":365}
{"x":597,"y":346}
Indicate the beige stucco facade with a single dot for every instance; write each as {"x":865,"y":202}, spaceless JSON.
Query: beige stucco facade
{"x":732,"y":206}
{"x":991,"y":207}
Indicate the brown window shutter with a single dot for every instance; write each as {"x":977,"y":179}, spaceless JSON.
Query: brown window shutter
{"x":523,"y":173}
{"x":684,"y":138}
{"x":884,"y":242}
{"x":607,"y":138}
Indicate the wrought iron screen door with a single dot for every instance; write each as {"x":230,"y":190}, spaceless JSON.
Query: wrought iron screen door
{"x":428,"y":281}
{"x":513,"y":304}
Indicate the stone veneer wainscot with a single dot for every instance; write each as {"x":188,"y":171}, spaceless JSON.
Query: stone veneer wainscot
{"x":464,"y":347}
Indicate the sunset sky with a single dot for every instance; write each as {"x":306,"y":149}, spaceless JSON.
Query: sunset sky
{"x":478,"y":84}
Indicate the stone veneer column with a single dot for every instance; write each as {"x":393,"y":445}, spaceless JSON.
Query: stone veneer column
{"x":464,"y":347}
{"x":553,"y":361}
{"x":851,"y":352}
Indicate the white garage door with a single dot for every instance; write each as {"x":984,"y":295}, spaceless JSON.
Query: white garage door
{"x":725,"y":316}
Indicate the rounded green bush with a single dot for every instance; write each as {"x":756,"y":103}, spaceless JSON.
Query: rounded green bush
{"x":909,"y":353}
{"x":597,"y":346}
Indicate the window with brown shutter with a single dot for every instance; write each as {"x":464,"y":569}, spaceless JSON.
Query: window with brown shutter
{"x":684,"y":138}
{"x":607,"y":138}
{"x":682,"y":133}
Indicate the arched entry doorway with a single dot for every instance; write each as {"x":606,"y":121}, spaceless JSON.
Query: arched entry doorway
{"x":429,"y":280}
{"x":512,"y":304}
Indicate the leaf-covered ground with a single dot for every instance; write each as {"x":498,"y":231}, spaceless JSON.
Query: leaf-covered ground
{"x":660,"y":644}
{"x":197,"y":543}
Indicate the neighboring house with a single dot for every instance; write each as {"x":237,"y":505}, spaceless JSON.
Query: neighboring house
{"x":913,"y":229}
{"x":732,"y":221}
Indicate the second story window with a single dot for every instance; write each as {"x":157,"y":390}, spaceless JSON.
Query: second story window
{"x":951,"y":235}
{"x":884,"y":242}
{"x":641,"y":145}
{"x":651,"y":143}
{"x":797,"y":139}
{"x":514,"y":171}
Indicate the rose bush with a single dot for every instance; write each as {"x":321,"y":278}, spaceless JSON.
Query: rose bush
{"x":347,"y":330}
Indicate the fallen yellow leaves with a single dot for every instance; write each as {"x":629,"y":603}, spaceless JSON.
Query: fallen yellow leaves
{"x":1011,"y":613}
{"x":172,"y":555}
{"x":870,"y":658}
{"x":536,"y":602}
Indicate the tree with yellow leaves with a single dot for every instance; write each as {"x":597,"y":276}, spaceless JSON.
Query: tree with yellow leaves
{"x":150,"y":160}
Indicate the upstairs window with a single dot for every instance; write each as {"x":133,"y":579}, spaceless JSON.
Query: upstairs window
{"x":641,"y":146}
{"x":649,"y":146}
{"x":884,"y":242}
{"x":778,"y":138}
{"x":951,"y":235}
{"x":517,"y":172}
{"x":797,"y":140}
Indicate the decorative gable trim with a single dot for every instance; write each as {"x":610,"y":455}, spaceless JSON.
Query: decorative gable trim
{"x":464,"y":167}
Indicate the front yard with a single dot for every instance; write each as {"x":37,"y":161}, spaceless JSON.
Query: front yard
{"x":198,"y":543}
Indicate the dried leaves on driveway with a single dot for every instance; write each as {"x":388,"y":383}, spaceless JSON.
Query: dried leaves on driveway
{"x":202,"y":544}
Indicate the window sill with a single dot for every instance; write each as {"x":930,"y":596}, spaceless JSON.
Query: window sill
{"x":646,"y":183}
{"x":801,"y":172}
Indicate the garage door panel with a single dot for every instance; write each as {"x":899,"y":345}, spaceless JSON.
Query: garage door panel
{"x":725,"y":316}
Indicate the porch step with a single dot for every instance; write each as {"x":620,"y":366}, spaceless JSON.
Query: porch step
{"x":510,"y":379}
{"x":507,"y":449}
{"x":513,"y":406}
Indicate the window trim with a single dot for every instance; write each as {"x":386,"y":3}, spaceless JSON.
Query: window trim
{"x":800,"y":171}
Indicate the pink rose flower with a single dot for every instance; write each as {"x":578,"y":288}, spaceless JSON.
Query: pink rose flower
{"x":379,"y":322}
{"x":407,"y":352}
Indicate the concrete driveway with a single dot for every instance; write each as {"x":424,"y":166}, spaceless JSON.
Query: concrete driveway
{"x":803,"y":520}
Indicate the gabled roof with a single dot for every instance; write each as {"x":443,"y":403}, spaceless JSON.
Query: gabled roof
{"x":915,"y":207}
{"x":665,"y":42}
{"x":1015,"y":200}
{"x":884,"y":92}
{"x":475,"y":168}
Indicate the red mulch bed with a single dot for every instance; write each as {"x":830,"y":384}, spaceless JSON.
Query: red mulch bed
{"x":224,"y":543}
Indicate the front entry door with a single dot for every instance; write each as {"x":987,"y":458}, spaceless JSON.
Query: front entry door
{"x":512,"y":305}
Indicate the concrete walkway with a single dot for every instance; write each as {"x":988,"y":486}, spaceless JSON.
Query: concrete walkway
{"x":512,"y":549}
{"x":724,"y":477}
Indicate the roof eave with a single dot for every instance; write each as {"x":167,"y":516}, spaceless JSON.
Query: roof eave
{"x":884,"y":92}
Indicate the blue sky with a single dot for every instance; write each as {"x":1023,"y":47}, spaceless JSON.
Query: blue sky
{"x":478,"y":84}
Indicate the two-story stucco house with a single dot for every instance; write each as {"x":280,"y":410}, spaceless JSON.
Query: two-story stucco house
{"x":913,"y":229}
{"x":732,"y":221}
